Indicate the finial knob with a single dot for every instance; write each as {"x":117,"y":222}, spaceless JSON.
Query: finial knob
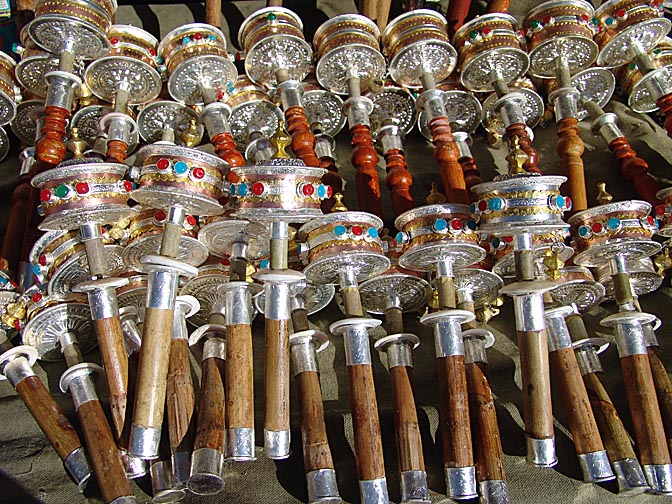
{"x":603,"y":197}
{"x":338,"y":205}
{"x":516,"y":158}
{"x":76,"y":145}
{"x":435,"y":197}
{"x":280,"y":140}
{"x":191,"y":136}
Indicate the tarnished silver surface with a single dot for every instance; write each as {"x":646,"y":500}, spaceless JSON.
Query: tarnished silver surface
{"x":220,"y":236}
{"x":76,"y":269}
{"x":185,"y":81}
{"x":326,"y":108}
{"x":46,"y":327}
{"x":159,"y":197}
{"x":283,"y":51}
{"x":435,"y":56}
{"x":104,"y":75}
{"x":630,"y":477}
{"x":75,"y":217}
{"x":425,"y":256}
{"x":154,"y":117}
{"x":322,"y":487}
{"x":207,"y":465}
{"x":462,"y":108}
{"x":494,"y":492}
{"x":506,"y":266}
{"x":54,"y":32}
{"x":31,"y":72}
{"x":77,"y":466}
{"x":190,"y":250}
{"x":595,"y":83}
{"x":332,"y":68}
{"x":24,"y":124}
{"x":259,"y":116}
{"x":314,"y":297}
{"x":595,"y":466}
{"x":392,"y":103}
{"x":399,"y":349}
{"x":483,"y":285}
{"x":579,"y":52}
{"x":645,"y":34}
{"x":659,"y":477}
{"x":541,"y":452}
{"x":640,"y":99}
{"x":461,"y":482}
{"x":510,"y":63}
{"x":134,"y":295}
{"x":531,"y":105}
{"x":411,"y":291}
{"x":326,"y":270}
{"x":414,"y":487}
{"x":373,"y":491}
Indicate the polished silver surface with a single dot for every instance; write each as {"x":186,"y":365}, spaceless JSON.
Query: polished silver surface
{"x":25,"y":124}
{"x":207,"y":466}
{"x":259,"y":117}
{"x":194,"y":203}
{"x":447,"y":326}
{"x":494,"y":492}
{"x":392,"y":103}
{"x":462,"y":108}
{"x":646,"y":34}
{"x":541,"y":452}
{"x":55,"y":33}
{"x":187,"y":80}
{"x":327,"y":269}
{"x":77,"y":466}
{"x":282,"y":51}
{"x":628,"y":332}
{"x":322,"y":487}
{"x":373,"y":491}
{"x":580,"y":52}
{"x":595,"y":466}
{"x":144,"y":442}
{"x":104,"y":76}
{"x":414,"y":487}
{"x":659,"y":477}
{"x":154,"y":118}
{"x":510,"y":63}
{"x":240,"y":444}
{"x":79,"y":381}
{"x":355,"y":332}
{"x":276,"y":444}
{"x":326,"y":108}
{"x":190,"y":251}
{"x":630,"y":477}
{"x":461,"y":482}
{"x":530,"y":103}
{"x":333,"y":67}
{"x":412,"y":292}
{"x":75,"y":269}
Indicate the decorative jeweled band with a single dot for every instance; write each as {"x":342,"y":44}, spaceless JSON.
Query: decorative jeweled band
{"x":74,"y":191}
{"x":182,"y":171}
{"x":527,"y":202}
{"x":342,"y":233}
{"x":616,"y":226}
{"x":304,"y":189}
{"x":440,"y":228}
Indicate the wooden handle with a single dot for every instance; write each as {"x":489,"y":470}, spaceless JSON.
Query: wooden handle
{"x":535,"y":374}
{"x":103,"y":452}
{"x":470,"y":173}
{"x":368,"y":8}
{"x":316,"y":451}
{"x":447,"y":154}
{"x":16,"y":224}
{"x":210,"y":422}
{"x":383,"y":14}
{"x":446,"y":287}
{"x":454,"y":412}
{"x":487,"y":441}
{"x":575,"y":399}
{"x":364,"y":159}
{"x":366,"y":425}
{"x":661,"y":380}
{"x":213,"y":12}
{"x":49,"y":416}
{"x":636,"y":170}
{"x":648,"y":424}
{"x":50,"y":149}
{"x":570,"y":149}
{"x":615,"y":436}
{"x":239,"y":377}
{"x":399,"y":181}
{"x":153,"y":368}
{"x":180,"y":397}
{"x":470,"y":307}
{"x":498,"y":6}
{"x":409,"y":441}
{"x":226,"y":149}
{"x":116,"y":151}
{"x":519,"y":130}
{"x":352,"y":302}
{"x":665,"y":105}
{"x":300,"y":320}
{"x":25,"y":12}
{"x":276,"y":375}
{"x":394,"y":320}
{"x":332,"y":179}
{"x":457,"y":13}
{"x":303,"y":140}
{"x":115,"y":363}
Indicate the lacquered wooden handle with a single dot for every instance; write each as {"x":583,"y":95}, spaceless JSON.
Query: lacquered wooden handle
{"x":407,"y":428}
{"x":316,"y":451}
{"x":453,"y":412}
{"x":457,"y":13}
{"x":635,"y":169}
{"x":364,"y":159}
{"x":50,"y":148}
{"x":226,"y":149}
{"x":570,"y":149}
{"x":213,"y":13}
{"x":211,"y":406}
{"x":399,"y":181}
{"x":644,"y":410}
{"x":276,"y":375}
{"x":535,"y":374}
{"x":498,"y":6}
{"x":303,"y":140}
{"x":487,"y":441}
{"x":239,"y":377}
{"x":180,"y":397}
{"x":49,"y":416}
{"x":447,"y":154}
{"x":519,"y":131}
{"x":470,"y":171}
{"x":116,"y":151}
{"x":661,"y":380}
{"x":575,"y":399}
{"x":103,"y":452}
{"x":665,"y":105}
{"x":16,"y":224}
{"x":332,"y":179}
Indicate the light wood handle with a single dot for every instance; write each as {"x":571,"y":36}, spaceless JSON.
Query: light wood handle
{"x":447,"y":296}
{"x":570,"y":149}
{"x":470,"y":307}
{"x":399,"y":181}
{"x":213,"y":12}
{"x":303,"y":140}
{"x":447,"y":154}
{"x":316,"y":451}
{"x":352,"y":302}
{"x":535,"y":374}
{"x":180,"y":397}
{"x":661,"y":380}
{"x":211,"y":407}
{"x":409,"y":441}
{"x":364,"y":158}
{"x":239,"y":377}
{"x":368,"y":8}
{"x":276,"y":375}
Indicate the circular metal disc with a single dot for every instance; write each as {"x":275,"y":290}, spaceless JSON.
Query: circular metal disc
{"x":4,"y":144}
{"x":219,"y":237}
{"x":395,"y":103}
{"x":646,"y":35}
{"x":283,"y":51}
{"x":583,"y":293}
{"x":76,"y":270}
{"x":204,"y":288}
{"x":104,"y":75}
{"x":136,"y":298}
{"x":579,"y":52}
{"x":154,"y":117}
{"x":331,"y":69}
{"x":316,"y":297}
{"x":215,"y":71}
{"x":640,"y":99}
{"x":31,"y":71}
{"x":190,"y":251}
{"x":483,"y":284}
{"x":44,"y":329}
{"x":424,"y":257}
{"x":7,"y":109}
{"x":463,"y":109}
{"x":596,"y":83}
{"x":643,"y":282}
{"x":509,"y":62}
{"x":75,"y":217}
{"x":161,"y":197}
{"x":413,"y":292}
{"x":53,"y":32}
{"x":506,"y":266}
{"x":326,"y":108}
{"x":326,"y":270}
{"x":629,"y":248}
{"x":531,"y":104}
{"x":439,"y":57}
{"x":257,"y":115}
{"x":24,"y":125}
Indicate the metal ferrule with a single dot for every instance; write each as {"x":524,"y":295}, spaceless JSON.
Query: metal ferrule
{"x":595,"y":466}
{"x":659,"y":477}
{"x":522,"y":241}
{"x":207,"y":466}
{"x":444,"y":268}
{"x":291,"y":92}
{"x":356,"y":343}
{"x":134,"y":467}
{"x":61,"y":91}
{"x":630,"y":476}
{"x":66,"y":339}
{"x":618,"y":264}
{"x":630,"y":339}
{"x":414,"y":487}
{"x":17,"y":370}
{"x":162,"y":476}
{"x":103,"y":303}
{"x":373,"y":491}
{"x":461,"y":482}
{"x":214,"y":347}
{"x":90,"y":235}
{"x":144,"y":442}
{"x":324,"y":147}
{"x":161,"y":289}
{"x":214,"y":117}
{"x":304,"y":357}
{"x":77,"y":466}
{"x":448,"y":338}
{"x":558,"y":333}
{"x":348,"y":278}
{"x":462,"y":140}
{"x":82,"y":390}
{"x":474,"y":351}
{"x":650,"y":335}
{"x":565,"y":102}
{"x":181,"y":465}
{"x":529,"y":312}
{"x":132,"y":335}
{"x":358,"y":109}
{"x":180,"y":330}
{"x":240,"y":444}
{"x":390,"y":139}
{"x":119,"y":127}
{"x":432,"y":103}
{"x":322,"y":486}
{"x":494,"y":492}
{"x":607,"y":127}
{"x":399,"y":354}
{"x":239,"y":250}
{"x":276,"y":444}
{"x":509,"y":110}
{"x":588,"y":360}
{"x":541,"y":452}
{"x":26,"y":160}
{"x":238,"y":307}
{"x":464,"y":294}
{"x":657,"y":86}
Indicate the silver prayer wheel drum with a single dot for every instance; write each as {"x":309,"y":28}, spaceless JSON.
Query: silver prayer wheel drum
{"x":24,"y":125}
{"x":407,"y":292}
{"x":531,"y":105}
{"x":145,"y":233}
{"x":482,"y":284}
{"x":220,"y":234}
{"x":520,"y":204}
{"x":195,"y":58}
{"x":315,"y":297}
{"x":576,"y":285}
{"x":253,"y":112}
{"x":279,"y":190}
{"x":77,"y":192}
{"x":664,"y":212}
{"x":502,"y":247}
{"x":642,"y":274}
{"x":392,"y":102}
{"x":343,"y":241}
{"x":625,"y":23}
{"x":131,"y":62}
{"x":462,"y":108}
{"x":490,"y":42}
{"x":171,"y":175}
{"x":560,"y":28}
{"x":87,"y":121}
{"x":324,"y":107}
{"x":273,"y":38}
{"x":10,"y":93}
{"x":34,"y":65}
{"x":155,"y":117}
{"x":623,"y":228}
{"x":348,"y":44}
{"x":432,"y":233}
{"x":416,"y":42}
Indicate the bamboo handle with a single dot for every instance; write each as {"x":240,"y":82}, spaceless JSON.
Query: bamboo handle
{"x":649,"y":431}
{"x":533,"y":347}
{"x":50,"y":149}
{"x":316,"y":452}
{"x":210,"y":422}
{"x":409,"y":442}
{"x":103,"y":451}
{"x":519,"y":130}
{"x":447,"y":154}
{"x":213,"y":12}
{"x":487,"y":441}
{"x":635,"y":169}
{"x":276,"y":375}
{"x":18,"y":216}
{"x":239,"y":377}
{"x":180,"y":397}
{"x":454,"y":404}
{"x":399,"y":181}
{"x":458,"y":10}
{"x":364,"y":159}
{"x":303,"y":140}
{"x":332,"y":179}
{"x":575,"y":399}
{"x":570,"y":149}
{"x":661,"y":380}
{"x":665,"y":105}
{"x":225,"y":148}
